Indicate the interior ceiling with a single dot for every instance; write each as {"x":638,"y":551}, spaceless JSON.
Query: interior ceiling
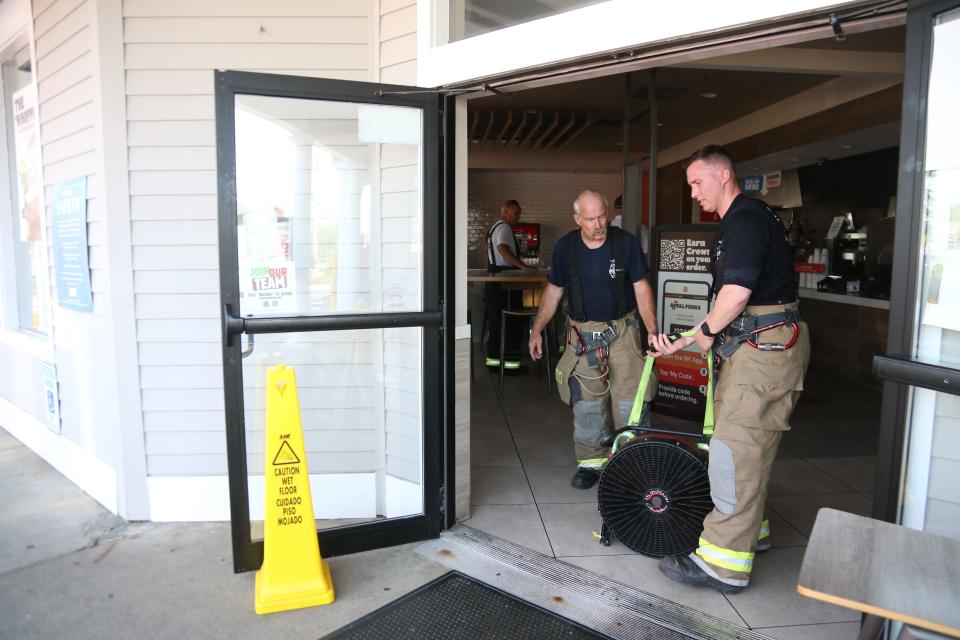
{"x":588,"y":115}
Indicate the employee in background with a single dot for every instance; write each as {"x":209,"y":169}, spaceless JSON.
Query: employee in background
{"x":604,"y":273}
{"x":502,"y":254}
{"x":759,"y":385}
{"x":618,"y":222}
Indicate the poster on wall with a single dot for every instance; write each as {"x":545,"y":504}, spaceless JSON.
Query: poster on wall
{"x":683,"y":299}
{"x":69,"y":224}
{"x":268,"y":275}
{"x":51,"y":397}
{"x":26,"y":142}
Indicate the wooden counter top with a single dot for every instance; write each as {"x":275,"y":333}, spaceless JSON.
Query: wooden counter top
{"x":482,"y":275}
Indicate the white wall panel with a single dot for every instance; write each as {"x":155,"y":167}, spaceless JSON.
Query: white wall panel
{"x":185,"y":158}
{"x":255,"y":8}
{"x":177,"y":282}
{"x":173,"y":207}
{"x":50,"y":13}
{"x":228,"y":30}
{"x":187,"y":107}
{"x":247,"y":56}
{"x":183,"y":330}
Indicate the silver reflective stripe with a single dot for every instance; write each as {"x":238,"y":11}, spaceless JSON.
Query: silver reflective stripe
{"x":713,"y":574}
{"x":723,"y":476}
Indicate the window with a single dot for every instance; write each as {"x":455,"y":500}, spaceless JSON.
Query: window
{"x":23,"y":259}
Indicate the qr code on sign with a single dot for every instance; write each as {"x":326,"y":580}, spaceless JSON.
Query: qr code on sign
{"x":671,"y":255}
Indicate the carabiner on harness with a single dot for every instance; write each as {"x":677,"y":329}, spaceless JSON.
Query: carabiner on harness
{"x":774,"y":346}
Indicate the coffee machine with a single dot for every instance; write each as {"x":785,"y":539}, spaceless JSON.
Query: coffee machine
{"x":848,"y":249}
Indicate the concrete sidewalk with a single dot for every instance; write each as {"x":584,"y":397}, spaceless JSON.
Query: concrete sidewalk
{"x":69,"y":569}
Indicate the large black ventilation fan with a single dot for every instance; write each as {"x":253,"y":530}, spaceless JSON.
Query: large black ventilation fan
{"x":654,"y":494}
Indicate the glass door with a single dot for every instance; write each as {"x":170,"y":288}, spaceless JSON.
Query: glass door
{"x":919,"y":461}
{"x":331,"y":263}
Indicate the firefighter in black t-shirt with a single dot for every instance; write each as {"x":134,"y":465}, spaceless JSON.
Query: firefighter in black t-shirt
{"x":604,"y":272}
{"x":766,"y":349}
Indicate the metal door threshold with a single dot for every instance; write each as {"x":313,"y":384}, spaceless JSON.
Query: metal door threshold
{"x":585,"y":597}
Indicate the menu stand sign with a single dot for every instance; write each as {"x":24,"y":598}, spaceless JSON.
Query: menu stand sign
{"x":683,"y":277}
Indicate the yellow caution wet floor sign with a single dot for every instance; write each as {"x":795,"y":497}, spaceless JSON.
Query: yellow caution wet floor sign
{"x":293,"y":574}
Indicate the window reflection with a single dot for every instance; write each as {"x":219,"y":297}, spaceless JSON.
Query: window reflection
{"x":328,"y":207}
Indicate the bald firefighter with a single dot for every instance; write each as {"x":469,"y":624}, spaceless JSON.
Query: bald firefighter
{"x":604,"y":273}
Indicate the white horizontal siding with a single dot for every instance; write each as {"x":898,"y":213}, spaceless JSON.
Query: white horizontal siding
{"x":49,"y":13}
{"x":58,"y":128}
{"x":179,"y":82}
{"x":228,"y":30}
{"x":255,"y":8}
{"x":329,"y":440}
{"x":75,"y":20}
{"x":188,"y":464}
{"x":149,"y":282}
{"x":189,"y":107}
{"x":247,"y":56}
{"x":163,"y":330}
{"x":173,"y":207}
{"x":159,"y":158}
{"x":66,"y":87}
{"x":180,"y":420}
{"x":171,"y":51}
{"x":399,"y":50}
{"x":399,"y":22}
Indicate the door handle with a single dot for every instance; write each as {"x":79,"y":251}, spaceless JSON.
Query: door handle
{"x":250,"y":345}
{"x":233,"y":325}
{"x":918,"y":374}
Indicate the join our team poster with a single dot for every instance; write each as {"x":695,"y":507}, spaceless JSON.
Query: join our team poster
{"x":681,"y":262}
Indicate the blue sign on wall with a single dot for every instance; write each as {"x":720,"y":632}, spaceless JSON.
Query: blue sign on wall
{"x":70,"y":244}
{"x":752,"y":184}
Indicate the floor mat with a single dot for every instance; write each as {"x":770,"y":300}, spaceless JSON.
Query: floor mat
{"x":457,"y":606}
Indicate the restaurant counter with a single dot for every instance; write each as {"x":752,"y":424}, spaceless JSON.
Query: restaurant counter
{"x":846,"y":331}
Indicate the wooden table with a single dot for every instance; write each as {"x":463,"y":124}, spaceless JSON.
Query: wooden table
{"x":482,"y":275}
{"x":884,"y":570}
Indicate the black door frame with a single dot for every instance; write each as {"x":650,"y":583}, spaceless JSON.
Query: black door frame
{"x":899,"y":370}
{"x":436,"y":319}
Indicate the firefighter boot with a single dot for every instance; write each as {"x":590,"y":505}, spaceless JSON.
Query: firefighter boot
{"x":584,"y":478}
{"x":683,"y":569}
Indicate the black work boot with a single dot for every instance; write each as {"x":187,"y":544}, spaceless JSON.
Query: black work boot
{"x":584,"y":478}
{"x":683,"y":569}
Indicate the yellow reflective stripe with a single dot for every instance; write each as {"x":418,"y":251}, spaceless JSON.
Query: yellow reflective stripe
{"x":511,"y":365}
{"x":591,"y":463}
{"x":764,"y":530}
{"x":493,"y":362}
{"x":703,"y":446}
{"x":726,"y":558}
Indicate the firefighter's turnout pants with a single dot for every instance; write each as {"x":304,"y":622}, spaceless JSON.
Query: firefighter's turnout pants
{"x":602,"y":401}
{"x":754,"y":398}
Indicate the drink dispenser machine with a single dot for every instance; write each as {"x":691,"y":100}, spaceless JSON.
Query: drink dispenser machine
{"x":528,"y":240}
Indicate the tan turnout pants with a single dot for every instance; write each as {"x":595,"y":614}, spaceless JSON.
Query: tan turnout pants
{"x":756,"y":393}
{"x":600,"y":407}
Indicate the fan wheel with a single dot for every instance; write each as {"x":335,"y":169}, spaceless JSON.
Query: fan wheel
{"x":654,"y":494}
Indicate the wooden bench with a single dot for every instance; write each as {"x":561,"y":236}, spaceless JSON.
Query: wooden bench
{"x":886,"y":571}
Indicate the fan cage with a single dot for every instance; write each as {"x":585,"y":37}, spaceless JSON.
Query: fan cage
{"x":654,"y":494}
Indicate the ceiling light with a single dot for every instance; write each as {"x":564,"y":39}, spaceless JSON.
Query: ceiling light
{"x":708,"y":94}
{"x":659,"y":124}
{"x":846,"y":146}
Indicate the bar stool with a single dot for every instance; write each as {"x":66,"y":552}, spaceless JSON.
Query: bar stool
{"x":530,"y":315}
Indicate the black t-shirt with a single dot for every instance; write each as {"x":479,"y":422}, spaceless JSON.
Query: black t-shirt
{"x":752,"y":251}
{"x":597,"y":274}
